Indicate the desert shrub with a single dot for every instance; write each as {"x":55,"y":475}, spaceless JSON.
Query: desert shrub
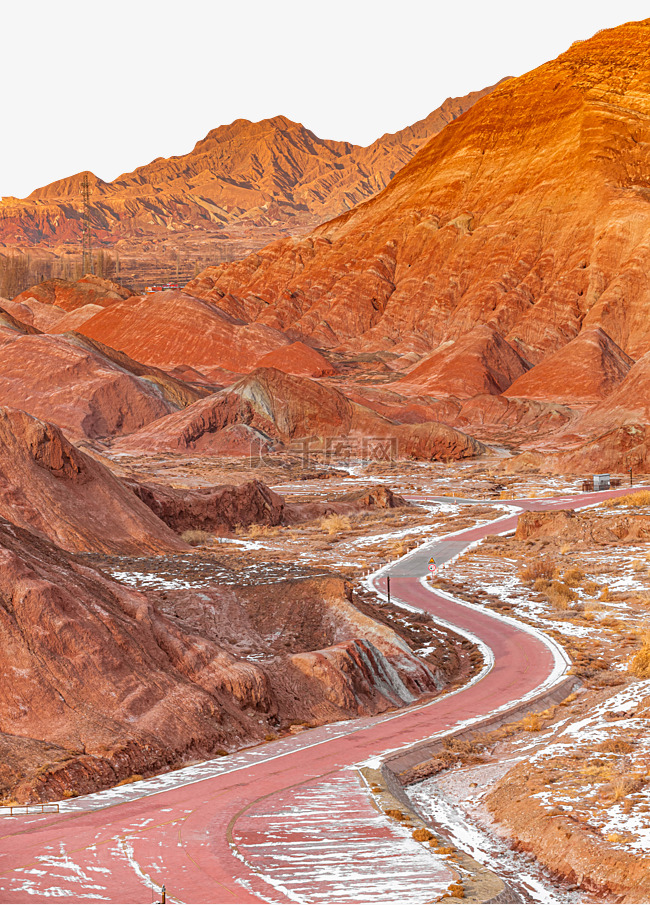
{"x":639,"y":664}
{"x":572,"y":577}
{"x":399,"y":548}
{"x":541,"y":584}
{"x":605,"y":593}
{"x":262,"y":531}
{"x":630,"y":500}
{"x":638,"y":565}
{"x":624,"y":784}
{"x":422,"y":834}
{"x":135,"y":777}
{"x":532,"y":722}
{"x":394,"y":813}
{"x":540,"y":568}
{"x":591,"y":587}
{"x":334,"y":524}
{"x":559,"y":595}
{"x":194,"y":538}
{"x":616,"y":746}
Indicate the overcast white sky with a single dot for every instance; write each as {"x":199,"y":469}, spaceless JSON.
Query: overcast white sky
{"x":110,"y":86}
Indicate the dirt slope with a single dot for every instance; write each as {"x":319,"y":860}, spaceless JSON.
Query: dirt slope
{"x":83,"y":387}
{"x":55,"y":490}
{"x":270,"y":407}
{"x":124,"y":688}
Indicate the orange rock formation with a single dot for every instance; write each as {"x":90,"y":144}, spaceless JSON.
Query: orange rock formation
{"x":528,"y":213}
{"x":269,"y":408}
{"x":275,"y":174}
{"x":60,"y":493}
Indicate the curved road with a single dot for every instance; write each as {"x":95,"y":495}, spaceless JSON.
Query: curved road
{"x":204,"y":831}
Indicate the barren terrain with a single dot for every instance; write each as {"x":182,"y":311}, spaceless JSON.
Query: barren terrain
{"x":578,"y":771}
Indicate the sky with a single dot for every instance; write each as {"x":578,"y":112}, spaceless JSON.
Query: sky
{"x":111,"y":86}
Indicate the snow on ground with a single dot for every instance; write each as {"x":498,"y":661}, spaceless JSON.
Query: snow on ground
{"x":613,"y":744}
{"x":324,"y":842}
{"x":445,"y":807}
{"x":594,"y":764}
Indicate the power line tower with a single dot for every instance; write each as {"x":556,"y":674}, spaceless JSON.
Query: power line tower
{"x":86,"y":248}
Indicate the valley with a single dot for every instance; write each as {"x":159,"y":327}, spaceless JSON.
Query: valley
{"x":324,"y":571}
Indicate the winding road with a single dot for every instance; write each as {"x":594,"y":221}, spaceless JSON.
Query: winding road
{"x":287,"y":821}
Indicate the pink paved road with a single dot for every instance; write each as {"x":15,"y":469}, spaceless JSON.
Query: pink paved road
{"x":187,"y":837}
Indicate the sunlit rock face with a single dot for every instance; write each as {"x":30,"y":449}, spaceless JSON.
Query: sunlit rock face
{"x":528,"y":213}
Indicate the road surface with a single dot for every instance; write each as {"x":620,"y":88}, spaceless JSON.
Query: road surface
{"x":286,"y":821}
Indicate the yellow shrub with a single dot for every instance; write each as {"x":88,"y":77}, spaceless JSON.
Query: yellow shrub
{"x":334,"y":524}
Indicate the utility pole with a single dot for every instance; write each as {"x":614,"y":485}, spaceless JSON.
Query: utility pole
{"x":388,"y":586}
{"x":86,"y":249}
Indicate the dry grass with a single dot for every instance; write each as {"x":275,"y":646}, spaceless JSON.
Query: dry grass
{"x":532,"y":722}
{"x":334,"y":524}
{"x":560,"y":595}
{"x":263,"y":531}
{"x":591,"y":588}
{"x":616,"y":746}
{"x":630,"y":500}
{"x":573,"y":577}
{"x":624,"y":784}
{"x":638,"y":565}
{"x":422,"y":834}
{"x":639,"y":664}
{"x":605,"y":594}
{"x":195,"y":538}
{"x":395,"y":814}
{"x":135,"y":777}
{"x":545,"y":568}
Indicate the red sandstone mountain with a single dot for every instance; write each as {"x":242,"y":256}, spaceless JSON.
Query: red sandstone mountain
{"x":85,"y":388}
{"x":297,"y":359}
{"x":274,"y":174}
{"x":123,"y":687}
{"x":528,"y":213}
{"x":628,"y":403}
{"x":269,"y":408}
{"x":479,"y":362}
{"x":57,"y":491}
{"x":56,"y":306}
{"x":587,"y":369}
{"x":169,"y":329}
{"x":89,"y":290}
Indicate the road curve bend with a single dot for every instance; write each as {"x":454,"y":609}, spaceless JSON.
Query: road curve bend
{"x":203,"y":831}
